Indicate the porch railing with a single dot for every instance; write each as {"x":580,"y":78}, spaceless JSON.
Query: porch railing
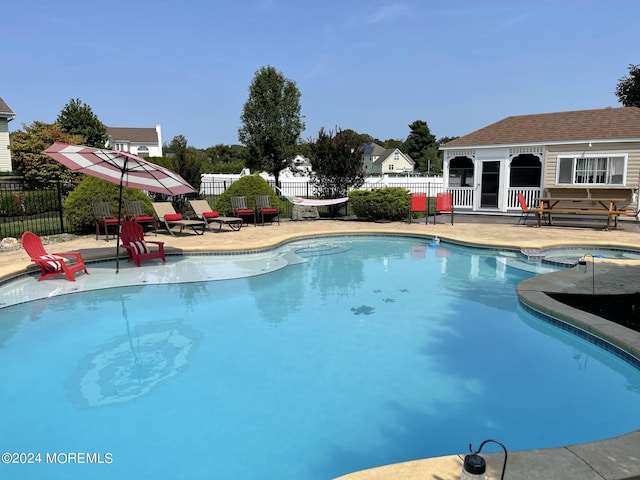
{"x":464,"y":197}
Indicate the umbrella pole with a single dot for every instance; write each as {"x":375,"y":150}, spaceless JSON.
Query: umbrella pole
{"x":119,"y":225}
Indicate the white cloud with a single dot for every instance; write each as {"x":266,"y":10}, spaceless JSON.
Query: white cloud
{"x":388,"y":12}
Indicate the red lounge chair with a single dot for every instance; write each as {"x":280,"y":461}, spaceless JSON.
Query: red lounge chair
{"x":419,"y":204}
{"x":213,"y":217}
{"x":132,"y":237}
{"x":263,"y":205}
{"x":51,"y":264}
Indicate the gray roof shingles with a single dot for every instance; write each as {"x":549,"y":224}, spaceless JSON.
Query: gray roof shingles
{"x":138,"y":135}
{"x":5,"y":111}
{"x":582,"y":125}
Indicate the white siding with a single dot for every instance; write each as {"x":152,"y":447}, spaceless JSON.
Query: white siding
{"x":5,"y":153}
{"x":605,"y":149}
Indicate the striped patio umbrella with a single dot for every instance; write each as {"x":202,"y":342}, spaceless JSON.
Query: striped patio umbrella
{"x":122,"y":168}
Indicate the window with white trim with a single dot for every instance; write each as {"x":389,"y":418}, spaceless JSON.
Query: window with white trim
{"x":591,"y":170}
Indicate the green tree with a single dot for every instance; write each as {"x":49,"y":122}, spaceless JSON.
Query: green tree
{"x":179,"y":148}
{"x":187,"y":161}
{"x":419,"y":145}
{"x":38,"y":169}
{"x":394,"y":143}
{"x":436,"y":166}
{"x":225,"y":159}
{"x":192,"y":167}
{"x":358,"y":139}
{"x":77,"y":118}
{"x":628,"y":89}
{"x":271,"y":121}
{"x":337,"y":164}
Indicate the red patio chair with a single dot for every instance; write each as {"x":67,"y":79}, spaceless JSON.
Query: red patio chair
{"x":419,"y":204}
{"x":132,"y":237}
{"x":51,"y":264}
{"x":241,"y":210}
{"x":444,"y":203}
{"x":263,"y":205}
{"x":526,"y":210}
{"x":135,"y":212}
{"x":104,"y":218}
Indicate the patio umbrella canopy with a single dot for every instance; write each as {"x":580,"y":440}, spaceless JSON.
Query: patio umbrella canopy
{"x":122,"y":168}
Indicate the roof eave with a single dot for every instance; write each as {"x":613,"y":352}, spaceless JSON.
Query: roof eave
{"x":543,"y":144}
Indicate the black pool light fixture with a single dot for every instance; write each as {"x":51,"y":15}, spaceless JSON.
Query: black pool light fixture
{"x":474,"y":466}
{"x":582,"y":268}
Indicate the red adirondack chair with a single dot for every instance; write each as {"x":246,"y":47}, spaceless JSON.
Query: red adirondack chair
{"x":51,"y":264}
{"x":132,"y":237}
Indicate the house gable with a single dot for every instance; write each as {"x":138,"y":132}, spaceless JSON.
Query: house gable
{"x":146,"y":142}
{"x":377,"y":160}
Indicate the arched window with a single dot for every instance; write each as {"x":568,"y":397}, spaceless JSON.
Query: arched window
{"x":143,"y":151}
{"x":526,"y":171}
{"x":461,"y":172}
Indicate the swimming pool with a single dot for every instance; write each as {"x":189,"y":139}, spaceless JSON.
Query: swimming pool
{"x":351,"y":352}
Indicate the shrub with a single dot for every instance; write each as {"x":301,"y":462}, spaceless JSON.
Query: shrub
{"x":248,"y":186}
{"x":79,"y":212}
{"x":28,"y":202}
{"x":391,"y":203}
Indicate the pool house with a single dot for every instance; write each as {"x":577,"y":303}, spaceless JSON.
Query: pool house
{"x":586,"y":153}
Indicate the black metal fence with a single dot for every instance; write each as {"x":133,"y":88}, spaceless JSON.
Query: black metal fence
{"x":211,"y":190}
{"x":22,"y":209}
{"x":41,"y":212}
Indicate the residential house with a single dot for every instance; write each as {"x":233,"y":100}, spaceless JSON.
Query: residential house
{"x":6,"y":115}
{"x":586,"y":153}
{"x":145,"y":142}
{"x":377,"y":160}
{"x":300,"y":167}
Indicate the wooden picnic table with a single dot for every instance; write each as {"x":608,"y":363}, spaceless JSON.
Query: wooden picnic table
{"x":608,"y":207}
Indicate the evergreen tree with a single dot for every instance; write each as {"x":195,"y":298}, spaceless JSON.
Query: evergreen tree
{"x":77,"y":118}
{"x":419,"y":144}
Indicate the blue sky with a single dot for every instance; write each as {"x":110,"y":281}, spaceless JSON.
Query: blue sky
{"x":373,"y":66}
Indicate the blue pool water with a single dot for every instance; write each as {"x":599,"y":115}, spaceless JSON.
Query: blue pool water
{"x":364,"y":352}
{"x":597,"y":252}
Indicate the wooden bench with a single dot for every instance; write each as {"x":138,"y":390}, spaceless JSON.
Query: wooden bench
{"x":613,"y":214}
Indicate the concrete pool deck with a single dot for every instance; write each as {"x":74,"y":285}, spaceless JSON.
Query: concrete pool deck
{"x":610,"y":459}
